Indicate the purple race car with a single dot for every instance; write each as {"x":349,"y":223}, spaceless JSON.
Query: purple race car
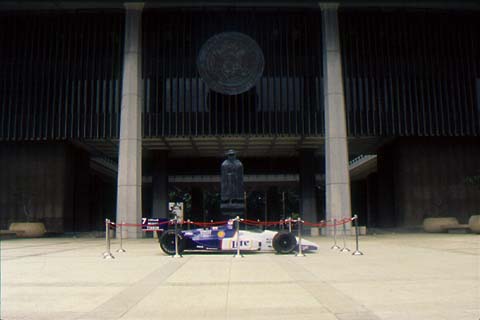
{"x":224,"y":238}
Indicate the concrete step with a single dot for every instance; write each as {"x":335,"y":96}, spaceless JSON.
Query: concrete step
{"x":461,"y":228}
{"x":7,"y":234}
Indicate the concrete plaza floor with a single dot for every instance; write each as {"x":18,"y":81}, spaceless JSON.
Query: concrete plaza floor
{"x":401,"y":276}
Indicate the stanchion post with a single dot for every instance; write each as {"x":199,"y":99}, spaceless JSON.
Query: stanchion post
{"x":289,"y":224}
{"x":121,"y":238}
{"x":238,"y":254}
{"x":188,"y":224}
{"x":344,"y":227}
{"x":107,"y":254}
{"x":335,"y":246}
{"x":356,"y":252}
{"x":177,"y":255}
{"x":299,"y":226}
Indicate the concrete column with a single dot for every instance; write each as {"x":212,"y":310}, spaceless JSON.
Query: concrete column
{"x":160,"y":185}
{"x":308,"y":201}
{"x":129,"y":186}
{"x":337,"y":178}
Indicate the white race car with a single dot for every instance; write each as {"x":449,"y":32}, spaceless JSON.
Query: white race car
{"x":224,"y":238}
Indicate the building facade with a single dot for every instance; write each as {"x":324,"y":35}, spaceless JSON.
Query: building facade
{"x":103,"y":112}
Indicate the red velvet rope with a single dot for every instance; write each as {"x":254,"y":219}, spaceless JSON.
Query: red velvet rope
{"x":321,"y":224}
{"x":261,"y":223}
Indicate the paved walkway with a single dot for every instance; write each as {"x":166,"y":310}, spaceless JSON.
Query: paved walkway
{"x":405,"y":276}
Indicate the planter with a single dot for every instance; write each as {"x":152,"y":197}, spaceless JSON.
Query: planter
{"x":439,"y":224}
{"x":28,"y":229}
{"x":474,"y":223}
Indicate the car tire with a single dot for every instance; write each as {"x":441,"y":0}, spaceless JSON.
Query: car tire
{"x":167,"y":242}
{"x":284,"y":242}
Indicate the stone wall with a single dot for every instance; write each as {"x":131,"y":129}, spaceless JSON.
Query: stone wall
{"x":49,"y":180}
{"x":425,"y":177}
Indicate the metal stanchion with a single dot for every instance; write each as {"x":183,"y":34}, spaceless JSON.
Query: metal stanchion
{"x":300,"y":252}
{"x":188,"y":224}
{"x":344,"y":249}
{"x":289,"y":224}
{"x":238,"y":254}
{"x":121,"y":238}
{"x":356,"y":252}
{"x":177,"y":255}
{"x":335,"y":246}
{"x":107,"y":254}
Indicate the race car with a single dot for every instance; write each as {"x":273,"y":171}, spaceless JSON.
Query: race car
{"x":224,"y":238}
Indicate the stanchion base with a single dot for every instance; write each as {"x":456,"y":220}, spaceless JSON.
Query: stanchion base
{"x":345,"y":250}
{"x":177,"y":256}
{"x":357,"y":253}
{"x":238,"y":256}
{"x":121,"y":250}
{"x":335,"y":247}
{"x":300,"y":254}
{"x":108,"y":256}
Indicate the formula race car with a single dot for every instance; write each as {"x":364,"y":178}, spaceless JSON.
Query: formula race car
{"x":224,"y":238}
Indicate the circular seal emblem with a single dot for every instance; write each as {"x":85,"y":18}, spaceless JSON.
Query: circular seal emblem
{"x":230,"y":63}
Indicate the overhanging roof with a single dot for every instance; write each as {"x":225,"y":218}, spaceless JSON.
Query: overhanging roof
{"x":76,"y":4}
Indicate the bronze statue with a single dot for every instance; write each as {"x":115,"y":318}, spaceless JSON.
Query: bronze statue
{"x":232,"y":201}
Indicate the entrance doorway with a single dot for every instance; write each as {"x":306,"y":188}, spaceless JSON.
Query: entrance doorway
{"x":264,"y":202}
